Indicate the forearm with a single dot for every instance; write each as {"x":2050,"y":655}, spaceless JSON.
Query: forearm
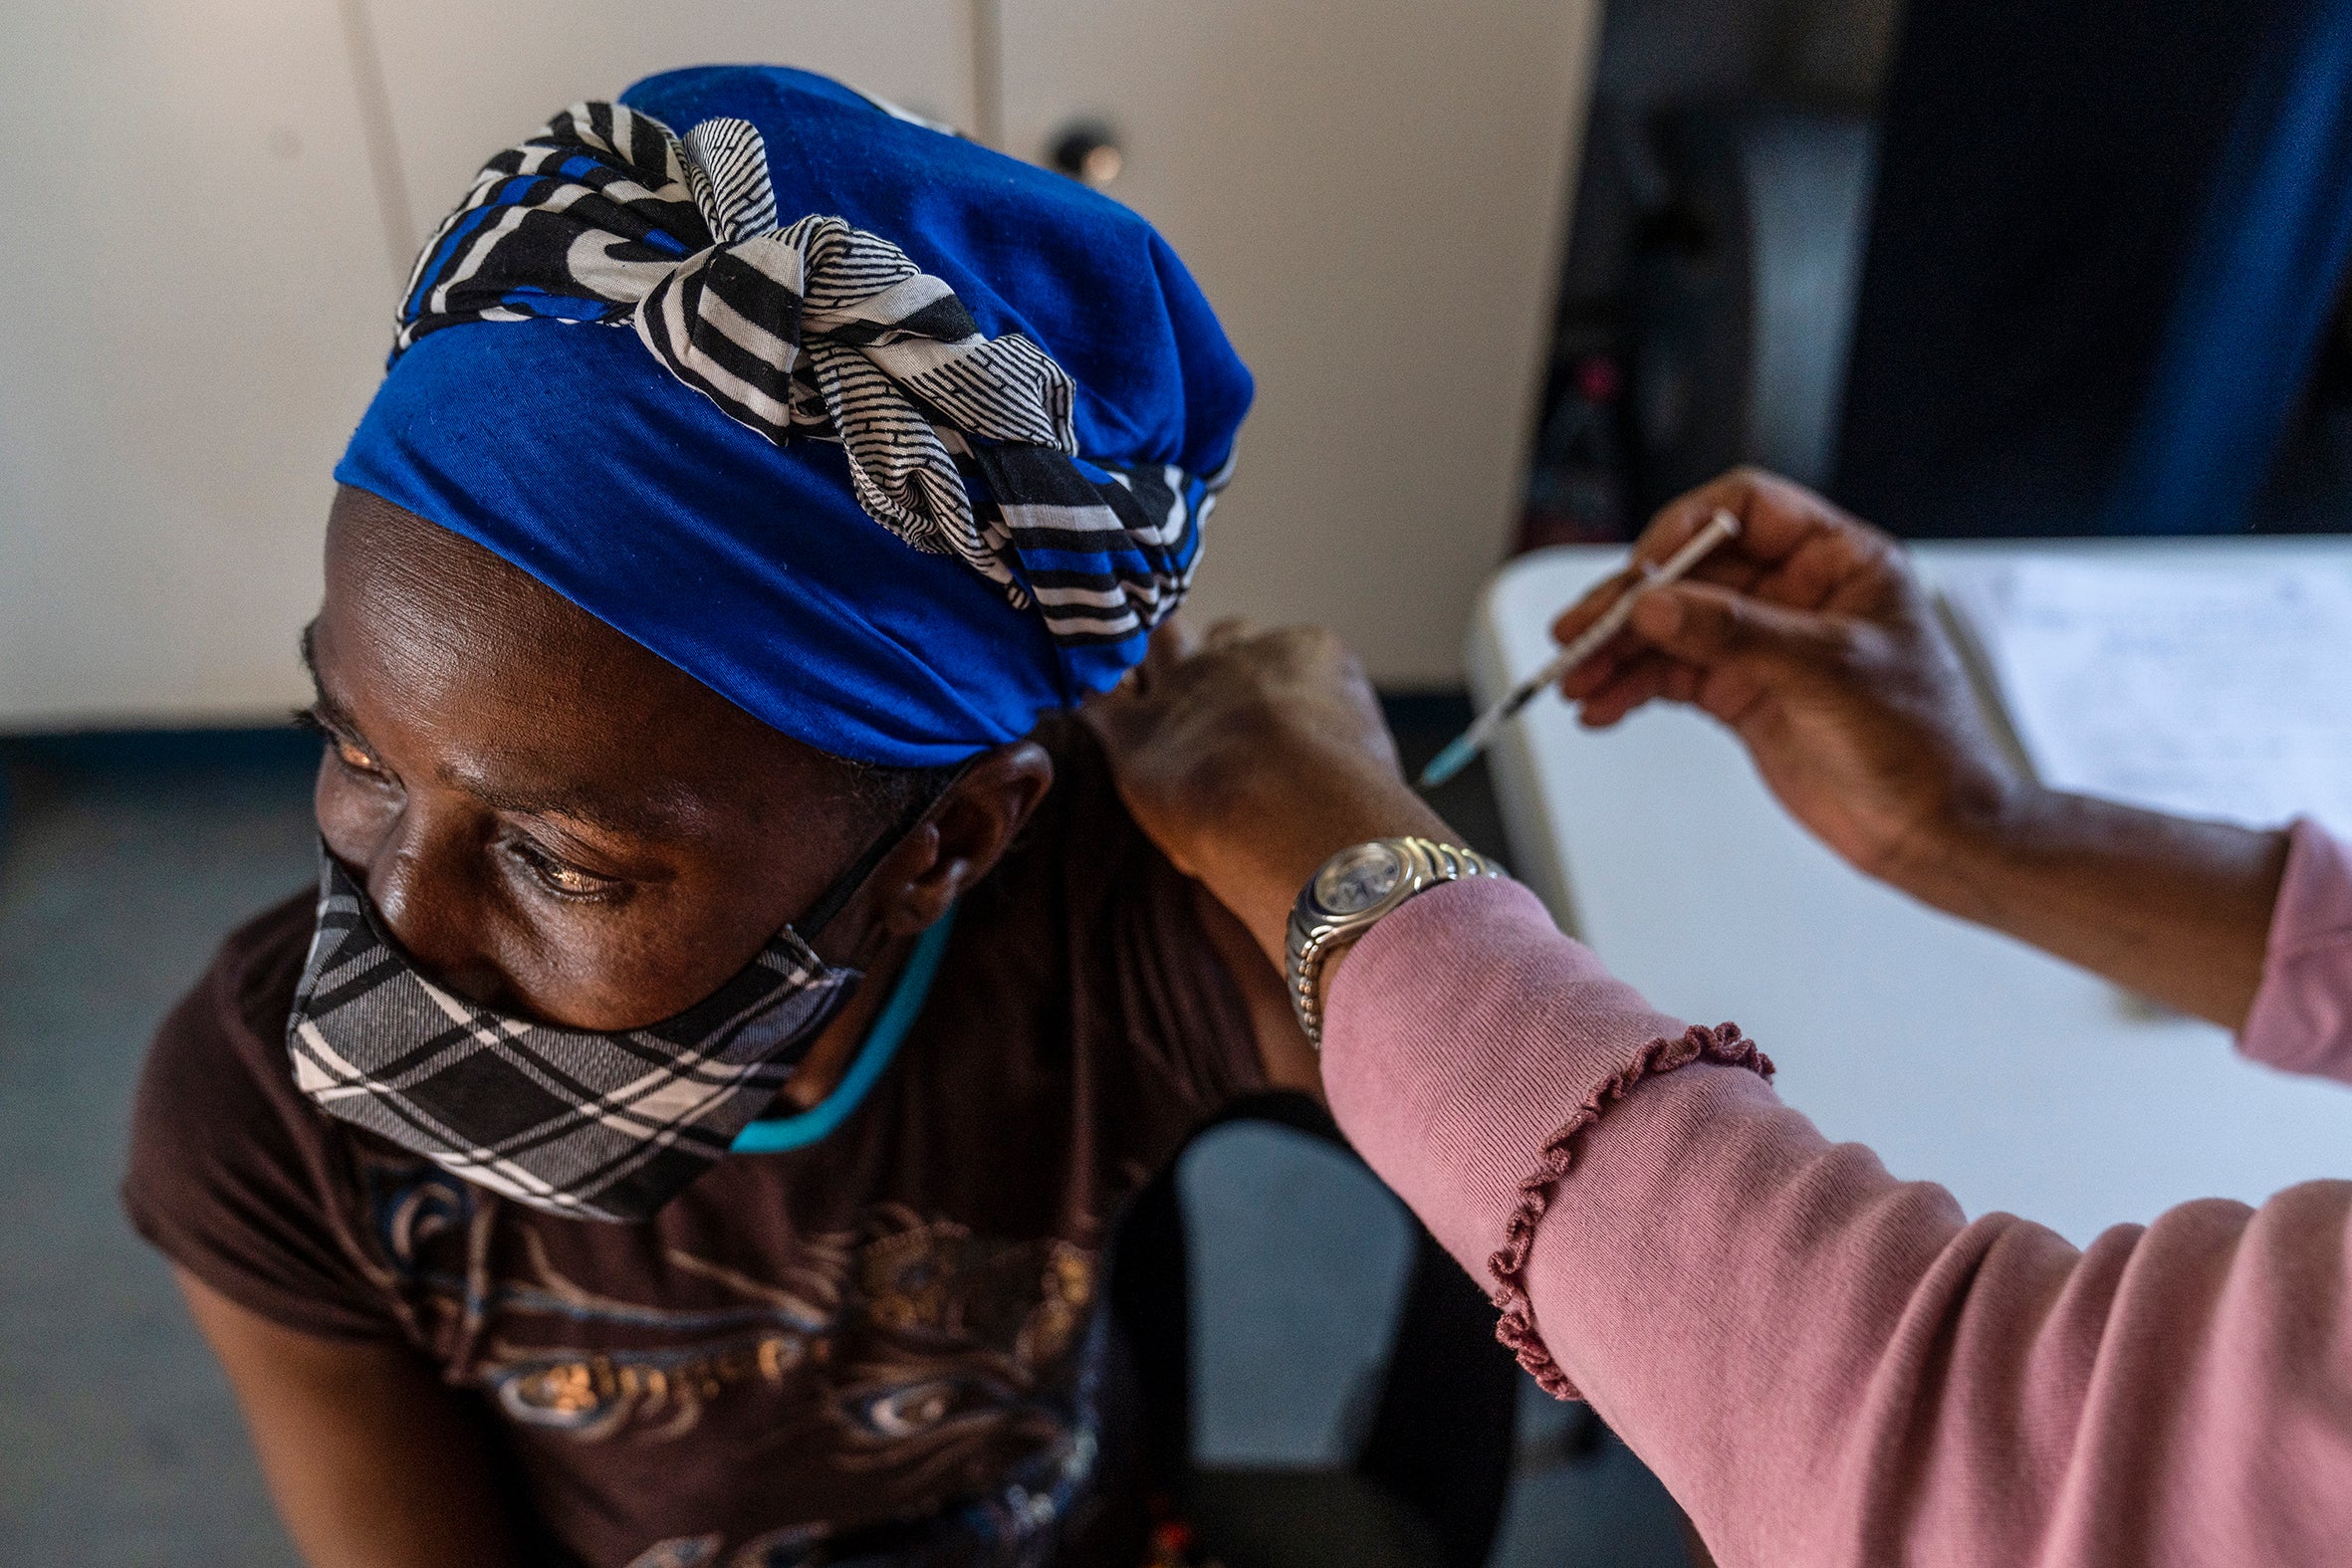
{"x":1288,"y":1059}
{"x":1827,"y":1365}
{"x":372,"y":1461}
{"x":2176,"y":910}
{"x":1258,"y":875}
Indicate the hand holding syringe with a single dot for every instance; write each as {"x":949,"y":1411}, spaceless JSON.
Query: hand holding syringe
{"x":1459,"y":753}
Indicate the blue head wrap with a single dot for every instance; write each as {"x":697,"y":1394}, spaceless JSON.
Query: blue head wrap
{"x":910,"y":447}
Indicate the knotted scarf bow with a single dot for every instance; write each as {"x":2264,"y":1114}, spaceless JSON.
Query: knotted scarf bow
{"x":818,"y":328}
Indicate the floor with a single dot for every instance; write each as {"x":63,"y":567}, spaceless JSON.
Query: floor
{"x":121,"y":863}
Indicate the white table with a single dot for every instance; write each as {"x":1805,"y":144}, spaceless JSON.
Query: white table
{"x":1958,"y":1055}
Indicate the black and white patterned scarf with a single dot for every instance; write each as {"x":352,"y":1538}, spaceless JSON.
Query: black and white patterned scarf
{"x":584,"y":1124}
{"x":815,"y":329}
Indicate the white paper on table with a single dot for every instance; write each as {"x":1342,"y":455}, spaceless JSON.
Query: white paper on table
{"x":2185,"y":687}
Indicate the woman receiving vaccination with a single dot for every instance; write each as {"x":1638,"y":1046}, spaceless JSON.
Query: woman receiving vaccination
{"x":683,"y":1126}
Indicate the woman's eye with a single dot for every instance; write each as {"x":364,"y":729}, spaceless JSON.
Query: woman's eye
{"x":561,"y":876}
{"x":355,"y":758}
{"x":349,"y":754}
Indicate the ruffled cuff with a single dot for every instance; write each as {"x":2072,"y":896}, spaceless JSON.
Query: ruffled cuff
{"x":1468,"y":1045}
{"x":1509,"y":1266}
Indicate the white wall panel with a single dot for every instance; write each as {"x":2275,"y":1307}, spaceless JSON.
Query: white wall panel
{"x":1372,"y":195}
{"x":194,"y":315}
{"x":467,"y":77}
{"x":201,"y":284}
{"x":201,"y":273}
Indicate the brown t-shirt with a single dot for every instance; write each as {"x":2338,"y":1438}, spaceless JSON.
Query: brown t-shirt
{"x":888,"y":1342}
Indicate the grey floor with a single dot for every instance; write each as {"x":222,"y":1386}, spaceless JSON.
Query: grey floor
{"x":118,"y":1443}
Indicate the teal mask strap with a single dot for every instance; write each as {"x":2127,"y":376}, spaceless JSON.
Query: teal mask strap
{"x":778,"y":1134}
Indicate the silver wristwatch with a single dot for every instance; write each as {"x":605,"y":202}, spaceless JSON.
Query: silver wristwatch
{"x":1355,"y":888}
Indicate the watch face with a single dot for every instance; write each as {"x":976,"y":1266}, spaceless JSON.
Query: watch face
{"x":1358,"y":878}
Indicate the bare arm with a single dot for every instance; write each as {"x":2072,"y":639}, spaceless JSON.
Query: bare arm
{"x":1810,"y":639}
{"x":1283,"y":1050}
{"x":2172,"y":909}
{"x":373,"y":1463}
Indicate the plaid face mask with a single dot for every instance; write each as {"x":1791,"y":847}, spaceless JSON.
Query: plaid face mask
{"x":587,"y":1125}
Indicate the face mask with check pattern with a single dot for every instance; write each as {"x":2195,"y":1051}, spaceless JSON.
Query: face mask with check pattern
{"x":587,"y":1124}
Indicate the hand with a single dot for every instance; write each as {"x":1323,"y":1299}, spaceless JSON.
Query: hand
{"x":1251,"y":757}
{"x":1809,"y":636}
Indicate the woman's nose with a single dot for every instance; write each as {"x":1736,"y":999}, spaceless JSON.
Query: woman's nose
{"x":426,"y":880}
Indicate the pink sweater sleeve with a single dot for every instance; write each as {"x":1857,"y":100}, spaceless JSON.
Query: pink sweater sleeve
{"x":2301,"y":1018}
{"x":1828,"y":1365}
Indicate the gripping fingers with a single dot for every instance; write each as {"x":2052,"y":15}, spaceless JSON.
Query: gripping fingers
{"x":1639,"y":680}
{"x":1228,"y":631}
{"x":1173,"y":642}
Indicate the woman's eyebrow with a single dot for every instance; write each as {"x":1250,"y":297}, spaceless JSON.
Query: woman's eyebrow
{"x":630,"y":818}
{"x":636,"y":819}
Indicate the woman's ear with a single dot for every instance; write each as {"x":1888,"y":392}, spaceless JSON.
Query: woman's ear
{"x":962,"y":839}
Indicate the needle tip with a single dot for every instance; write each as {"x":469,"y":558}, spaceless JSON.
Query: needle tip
{"x":1446,"y":764}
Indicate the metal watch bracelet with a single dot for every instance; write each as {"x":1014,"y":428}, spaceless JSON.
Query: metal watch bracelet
{"x":1350,"y":893}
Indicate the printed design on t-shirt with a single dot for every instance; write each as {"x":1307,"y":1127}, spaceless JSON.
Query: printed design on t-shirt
{"x":950,"y":1328}
{"x":943,"y":1364}
{"x":1015,"y":1525}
